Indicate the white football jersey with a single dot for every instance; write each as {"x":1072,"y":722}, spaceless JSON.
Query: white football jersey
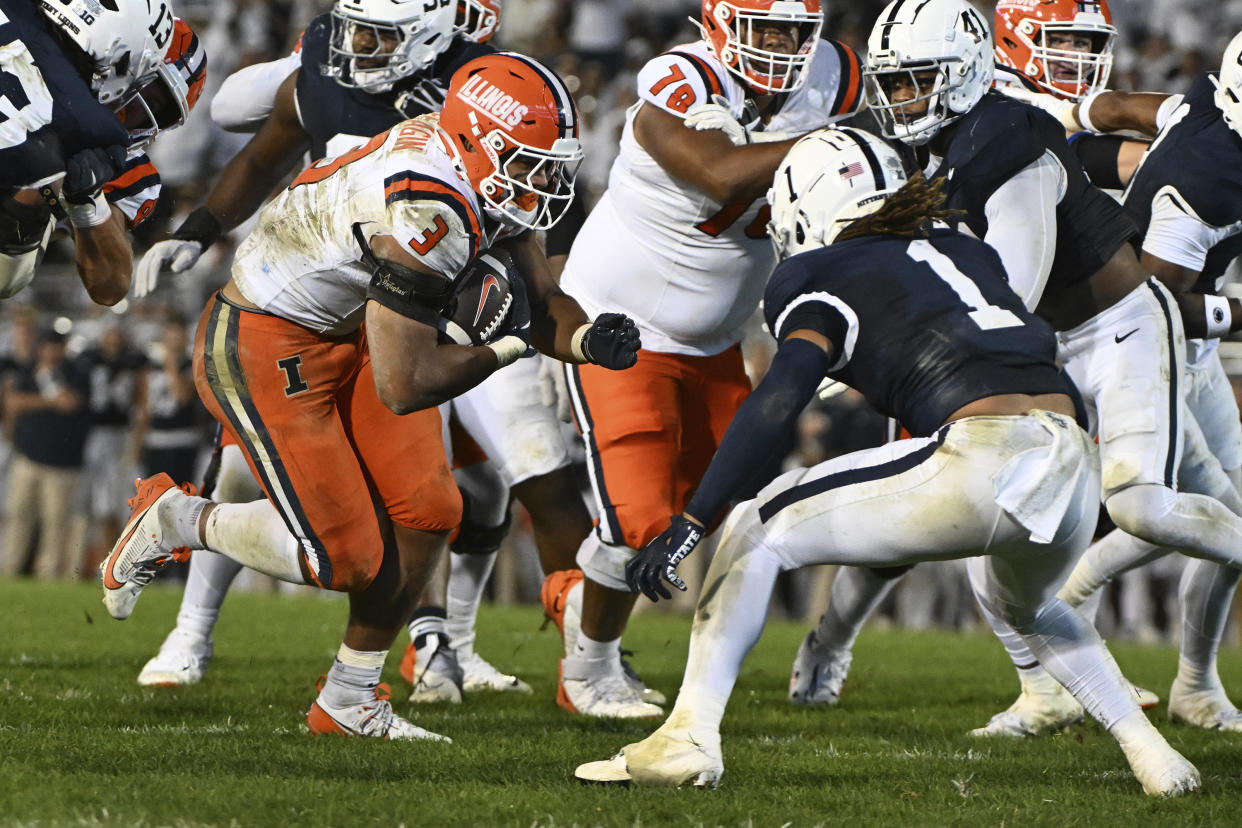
{"x":302,"y":262}
{"x":690,"y":270}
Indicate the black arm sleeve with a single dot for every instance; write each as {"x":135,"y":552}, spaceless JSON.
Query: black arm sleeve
{"x":765,"y":420}
{"x":561,"y":237}
{"x":1098,"y":154}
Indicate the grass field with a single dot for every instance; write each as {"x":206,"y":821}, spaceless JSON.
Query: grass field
{"x":82,"y":744}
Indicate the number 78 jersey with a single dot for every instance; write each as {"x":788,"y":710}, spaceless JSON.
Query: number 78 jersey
{"x":920,"y":327}
{"x":690,"y":270}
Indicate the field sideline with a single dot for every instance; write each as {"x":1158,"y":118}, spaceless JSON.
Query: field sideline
{"x":82,"y":744}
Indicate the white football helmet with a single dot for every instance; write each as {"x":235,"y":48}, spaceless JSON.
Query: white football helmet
{"x":124,"y":40}
{"x":376,"y":43}
{"x":1229,"y":84}
{"x":829,"y":179}
{"x":941,"y":50}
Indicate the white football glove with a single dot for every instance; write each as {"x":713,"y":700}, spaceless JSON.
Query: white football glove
{"x":829,"y":388}
{"x":716,"y":115}
{"x":175,"y":255}
{"x":1063,"y":111}
{"x":552,"y":388}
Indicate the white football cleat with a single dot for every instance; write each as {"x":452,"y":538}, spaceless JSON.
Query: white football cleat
{"x":437,"y":675}
{"x":669,"y":758}
{"x":1146,"y":699}
{"x":374,"y":719}
{"x":818,"y":675}
{"x":587,"y":689}
{"x":1210,"y":709}
{"x":1160,"y":769}
{"x":478,"y":674}
{"x":182,"y":659}
{"x":141,"y":551}
{"x":1034,"y":714}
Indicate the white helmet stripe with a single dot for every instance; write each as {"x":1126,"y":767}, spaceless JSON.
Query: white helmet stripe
{"x":564,"y":101}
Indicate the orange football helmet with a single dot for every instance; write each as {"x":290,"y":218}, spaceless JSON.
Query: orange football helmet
{"x":512,"y":127}
{"x":477,"y":20}
{"x":164,"y":98}
{"x":1024,"y":31}
{"x":729,"y":27}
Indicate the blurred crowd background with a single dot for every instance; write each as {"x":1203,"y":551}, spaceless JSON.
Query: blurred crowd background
{"x":67,"y":460}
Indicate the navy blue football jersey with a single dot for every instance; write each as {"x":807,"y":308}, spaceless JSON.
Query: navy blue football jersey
{"x":1200,"y":157}
{"x":49,"y":112}
{"x":328,"y":109}
{"x":991,"y":144}
{"x":921,"y":326}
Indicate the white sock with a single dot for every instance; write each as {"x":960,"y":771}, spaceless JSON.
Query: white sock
{"x":1206,"y":593}
{"x":856,"y":592}
{"x":468,"y":574}
{"x":254,"y":535}
{"x":590,"y":649}
{"x":205,"y":587}
{"x":179,"y":520}
{"x":353,"y":678}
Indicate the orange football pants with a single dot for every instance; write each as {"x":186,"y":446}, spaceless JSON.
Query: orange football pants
{"x":650,"y":433}
{"x":328,"y":453}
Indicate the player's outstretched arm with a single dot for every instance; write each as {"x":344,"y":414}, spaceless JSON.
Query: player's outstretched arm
{"x":765,"y":420}
{"x":558,"y":325}
{"x":244,"y":184}
{"x":102,"y":251}
{"x":707,"y":159}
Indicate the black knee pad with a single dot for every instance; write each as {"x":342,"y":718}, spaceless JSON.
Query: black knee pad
{"x":474,"y":539}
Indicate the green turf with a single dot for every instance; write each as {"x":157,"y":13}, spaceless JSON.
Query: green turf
{"x":81,"y":743}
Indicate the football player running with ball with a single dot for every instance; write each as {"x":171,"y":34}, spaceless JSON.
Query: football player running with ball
{"x":922,"y":323}
{"x":678,"y":243}
{"x":342,"y":429}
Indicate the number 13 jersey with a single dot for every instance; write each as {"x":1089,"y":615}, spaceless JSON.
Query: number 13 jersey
{"x":690,"y":270}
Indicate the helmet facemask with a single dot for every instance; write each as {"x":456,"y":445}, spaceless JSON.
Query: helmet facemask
{"x":529,"y":187}
{"x":911,"y":121}
{"x":1070,"y":73}
{"x":732,"y":32}
{"x":477,"y":20}
{"x":372,"y":56}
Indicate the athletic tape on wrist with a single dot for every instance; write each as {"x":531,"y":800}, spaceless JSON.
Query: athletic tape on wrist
{"x":1084,"y":108}
{"x":577,"y":344}
{"x":1219,"y":316}
{"x":507,"y":349}
{"x":91,"y":214}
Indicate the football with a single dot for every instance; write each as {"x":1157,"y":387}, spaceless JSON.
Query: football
{"x":481,"y":299}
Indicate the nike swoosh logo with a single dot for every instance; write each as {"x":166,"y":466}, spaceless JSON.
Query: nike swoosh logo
{"x":488,"y":283}
{"x":1123,"y":337}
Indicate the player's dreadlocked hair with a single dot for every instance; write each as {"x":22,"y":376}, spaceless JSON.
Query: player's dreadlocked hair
{"x":908,"y":212}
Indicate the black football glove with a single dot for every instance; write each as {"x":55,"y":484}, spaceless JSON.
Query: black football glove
{"x":659,"y":559}
{"x":89,"y":170}
{"x":612,"y":342}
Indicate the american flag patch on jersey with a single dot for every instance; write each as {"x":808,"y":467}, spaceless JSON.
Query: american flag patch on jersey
{"x":851,"y":170}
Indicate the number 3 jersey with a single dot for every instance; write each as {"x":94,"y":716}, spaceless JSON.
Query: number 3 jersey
{"x":690,"y":270}
{"x":302,"y":262}
{"x":920,"y":327}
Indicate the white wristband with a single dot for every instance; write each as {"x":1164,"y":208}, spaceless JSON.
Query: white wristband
{"x":507,"y":349}
{"x":1084,"y":108}
{"x":1219,"y":317}
{"x":575,"y":344}
{"x":91,"y":214}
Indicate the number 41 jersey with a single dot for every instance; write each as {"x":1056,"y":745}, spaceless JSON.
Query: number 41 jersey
{"x":921,"y":327}
{"x":690,"y":270}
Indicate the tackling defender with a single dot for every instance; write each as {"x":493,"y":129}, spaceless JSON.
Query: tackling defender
{"x":922,"y":322}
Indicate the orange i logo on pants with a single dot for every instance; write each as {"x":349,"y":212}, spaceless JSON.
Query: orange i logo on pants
{"x":650,"y":433}
{"x":318,"y":439}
